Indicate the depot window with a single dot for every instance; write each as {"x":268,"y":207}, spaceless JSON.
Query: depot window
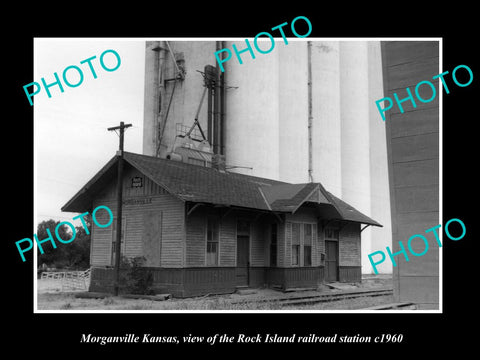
{"x":212,"y":241}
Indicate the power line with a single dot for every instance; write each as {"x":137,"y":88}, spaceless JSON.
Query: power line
{"x":54,"y":216}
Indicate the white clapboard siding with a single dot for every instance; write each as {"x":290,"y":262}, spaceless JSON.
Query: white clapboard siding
{"x":148,"y":201}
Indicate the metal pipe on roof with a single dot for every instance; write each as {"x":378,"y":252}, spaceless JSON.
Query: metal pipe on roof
{"x":223,"y":106}
{"x":310,"y":117}
{"x":216,"y":105}
{"x":209,"y":115}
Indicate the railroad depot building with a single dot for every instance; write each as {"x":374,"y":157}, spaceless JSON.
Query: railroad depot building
{"x":204,"y":230}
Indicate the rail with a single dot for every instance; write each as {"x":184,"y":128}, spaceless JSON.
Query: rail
{"x":318,"y":298}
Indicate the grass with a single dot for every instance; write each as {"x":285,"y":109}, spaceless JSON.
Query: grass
{"x":50,"y":297}
{"x":67,"y":301}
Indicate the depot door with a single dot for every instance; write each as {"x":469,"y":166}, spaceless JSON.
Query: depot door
{"x":243,"y":254}
{"x":331,"y":261}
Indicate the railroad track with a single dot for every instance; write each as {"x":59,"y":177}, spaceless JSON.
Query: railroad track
{"x":313,"y":299}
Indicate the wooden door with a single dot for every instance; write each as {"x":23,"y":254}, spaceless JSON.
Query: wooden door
{"x":243,"y":255}
{"x":152,"y":237}
{"x":331,"y":261}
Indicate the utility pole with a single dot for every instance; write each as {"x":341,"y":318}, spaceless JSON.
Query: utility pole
{"x":118,"y":239}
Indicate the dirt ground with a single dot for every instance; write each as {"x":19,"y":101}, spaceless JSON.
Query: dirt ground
{"x":52,"y":297}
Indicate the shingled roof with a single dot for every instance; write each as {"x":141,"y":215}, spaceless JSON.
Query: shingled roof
{"x":200,"y":184}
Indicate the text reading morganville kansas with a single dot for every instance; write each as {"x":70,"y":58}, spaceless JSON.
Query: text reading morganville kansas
{"x":128,"y":338}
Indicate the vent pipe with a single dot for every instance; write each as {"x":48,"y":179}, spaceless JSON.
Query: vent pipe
{"x":216,"y":106}
{"x":218,"y":159}
{"x":223,"y":105}
{"x":310,"y":117}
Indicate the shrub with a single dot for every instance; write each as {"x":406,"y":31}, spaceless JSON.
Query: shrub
{"x":137,"y":279}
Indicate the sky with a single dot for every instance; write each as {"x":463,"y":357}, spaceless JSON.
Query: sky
{"x":71,"y":140}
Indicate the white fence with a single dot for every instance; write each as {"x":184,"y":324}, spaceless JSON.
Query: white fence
{"x":69,"y":280}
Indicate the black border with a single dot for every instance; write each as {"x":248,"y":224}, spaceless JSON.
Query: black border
{"x":48,"y":333}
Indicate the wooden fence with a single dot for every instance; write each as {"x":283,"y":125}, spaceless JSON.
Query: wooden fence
{"x":70,"y":280}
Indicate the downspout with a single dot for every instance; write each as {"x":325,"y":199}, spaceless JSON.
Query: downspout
{"x":216,"y":105}
{"x":223,"y":106}
{"x":310,"y":117}
{"x":209,"y":116}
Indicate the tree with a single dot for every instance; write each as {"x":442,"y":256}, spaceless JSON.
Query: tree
{"x":80,"y":253}
{"x":50,"y":254}
{"x":73,"y":255}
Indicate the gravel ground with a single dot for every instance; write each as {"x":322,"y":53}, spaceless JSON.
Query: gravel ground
{"x":51,"y":297}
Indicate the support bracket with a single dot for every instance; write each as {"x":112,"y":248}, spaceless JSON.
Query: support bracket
{"x":364,"y":227}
